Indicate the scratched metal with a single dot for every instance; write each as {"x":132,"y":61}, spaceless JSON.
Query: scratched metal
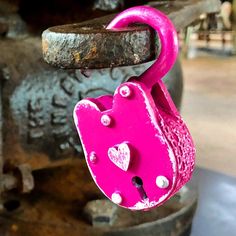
{"x":89,"y":45}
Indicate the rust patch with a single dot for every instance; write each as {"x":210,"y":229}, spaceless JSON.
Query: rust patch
{"x":92,"y":53}
{"x":45,"y":45}
{"x":77,"y":57}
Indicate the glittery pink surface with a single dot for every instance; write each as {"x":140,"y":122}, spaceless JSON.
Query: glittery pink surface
{"x":145,"y":137}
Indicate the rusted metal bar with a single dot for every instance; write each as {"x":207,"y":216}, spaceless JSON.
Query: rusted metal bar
{"x":67,"y":46}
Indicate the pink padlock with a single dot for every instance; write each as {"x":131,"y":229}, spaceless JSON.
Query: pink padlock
{"x":137,"y":147}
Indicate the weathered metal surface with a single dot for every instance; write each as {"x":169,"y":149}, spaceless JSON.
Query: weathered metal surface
{"x":67,"y":46}
{"x":38,"y":102}
{"x":91,"y":46}
{"x":7,"y":182}
{"x":57,"y":204}
{"x":19,"y":178}
{"x":25,"y":177}
{"x":100,"y":212}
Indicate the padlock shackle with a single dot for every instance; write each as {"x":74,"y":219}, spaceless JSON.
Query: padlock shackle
{"x":167,"y":35}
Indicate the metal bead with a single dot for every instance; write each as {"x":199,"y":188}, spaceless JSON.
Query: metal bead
{"x":93,"y":157}
{"x":162,"y":182}
{"x":106,"y":120}
{"x":116,"y":198}
{"x":125,"y":91}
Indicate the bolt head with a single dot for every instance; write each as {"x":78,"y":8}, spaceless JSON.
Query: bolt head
{"x":116,"y":198}
{"x":125,"y":91}
{"x":93,"y":157}
{"x":162,"y":182}
{"x":106,"y":120}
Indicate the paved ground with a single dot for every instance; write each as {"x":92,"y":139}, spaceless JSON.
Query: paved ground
{"x":209,"y":108}
{"x":216,"y":215}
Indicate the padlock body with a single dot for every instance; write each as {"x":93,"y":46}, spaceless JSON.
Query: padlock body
{"x":136,"y":123}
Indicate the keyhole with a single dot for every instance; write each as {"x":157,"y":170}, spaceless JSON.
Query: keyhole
{"x":138,"y":183}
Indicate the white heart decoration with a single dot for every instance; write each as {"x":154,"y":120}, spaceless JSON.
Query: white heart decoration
{"x":120,"y":155}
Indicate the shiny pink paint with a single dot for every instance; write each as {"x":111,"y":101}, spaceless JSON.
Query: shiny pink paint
{"x":137,"y":134}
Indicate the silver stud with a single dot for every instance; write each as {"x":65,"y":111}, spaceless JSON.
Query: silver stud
{"x":162,"y":182}
{"x":125,"y":91}
{"x":116,"y":198}
{"x":106,"y":120}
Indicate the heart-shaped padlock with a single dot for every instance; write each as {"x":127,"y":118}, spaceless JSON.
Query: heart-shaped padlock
{"x":137,"y":147}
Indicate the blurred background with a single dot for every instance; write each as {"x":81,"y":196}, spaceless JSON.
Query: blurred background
{"x":209,"y":101}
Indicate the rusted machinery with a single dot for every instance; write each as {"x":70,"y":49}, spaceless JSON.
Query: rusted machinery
{"x":37,"y":102}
